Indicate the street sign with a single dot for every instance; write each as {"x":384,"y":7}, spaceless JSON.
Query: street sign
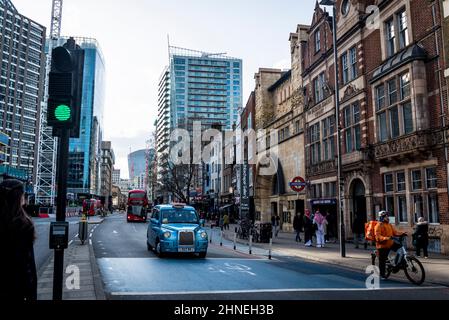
{"x":298,"y":184}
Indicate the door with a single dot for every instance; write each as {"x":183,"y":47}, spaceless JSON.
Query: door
{"x":359,"y":201}
{"x":153,"y":227}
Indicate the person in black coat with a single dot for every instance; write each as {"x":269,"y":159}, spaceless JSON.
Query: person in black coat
{"x":421,"y":237}
{"x":17,"y":235}
{"x":308,"y":228}
{"x":297,"y":225}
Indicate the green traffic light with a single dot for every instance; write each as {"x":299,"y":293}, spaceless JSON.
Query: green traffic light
{"x":62,"y":112}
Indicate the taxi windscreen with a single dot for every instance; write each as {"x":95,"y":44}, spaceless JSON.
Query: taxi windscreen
{"x":179,"y":216}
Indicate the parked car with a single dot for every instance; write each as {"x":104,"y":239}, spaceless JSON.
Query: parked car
{"x":176,"y":229}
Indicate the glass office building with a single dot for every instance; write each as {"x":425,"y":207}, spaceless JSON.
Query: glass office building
{"x":85,"y":152}
{"x":21,"y":88}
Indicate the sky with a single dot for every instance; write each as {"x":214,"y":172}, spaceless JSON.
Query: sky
{"x":133,"y":37}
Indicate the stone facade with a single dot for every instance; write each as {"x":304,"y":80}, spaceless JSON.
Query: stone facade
{"x":279,"y":112}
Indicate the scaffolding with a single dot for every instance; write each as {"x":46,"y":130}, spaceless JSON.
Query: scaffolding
{"x":46,"y":164}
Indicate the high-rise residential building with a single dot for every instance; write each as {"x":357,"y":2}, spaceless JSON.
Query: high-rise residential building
{"x":85,"y":151}
{"x":137,"y":163}
{"x":196,"y":87}
{"x":21,"y":87}
{"x":204,"y":87}
{"x":116,"y":177}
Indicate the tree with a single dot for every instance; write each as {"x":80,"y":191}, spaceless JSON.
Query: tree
{"x":179,"y":180}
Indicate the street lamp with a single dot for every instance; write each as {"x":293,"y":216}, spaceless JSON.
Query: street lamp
{"x":340,"y":183}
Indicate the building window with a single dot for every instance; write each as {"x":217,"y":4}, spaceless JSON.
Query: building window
{"x":353,"y":61}
{"x":432,"y":202}
{"x":416,"y":180}
{"x":318,"y":87}
{"x":402,"y":29}
{"x":431,"y":178}
{"x":328,"y":125}
{"x":395,"y":118}
{"x":418,"y":206}
{"x":345,"y":67}
{"x":352,"y":127}
{"x":317,"y":41}
{"x":315,"y":145}
{"x":402,"y":208}
{"x":400,"y":179}
{"x":389,"y":184}
{"x":390,"y":37}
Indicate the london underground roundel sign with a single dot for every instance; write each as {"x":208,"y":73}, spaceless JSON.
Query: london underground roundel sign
{"x":298,"y":184}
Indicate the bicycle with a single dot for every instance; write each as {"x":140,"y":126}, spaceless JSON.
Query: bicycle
{"x":412,"y":267}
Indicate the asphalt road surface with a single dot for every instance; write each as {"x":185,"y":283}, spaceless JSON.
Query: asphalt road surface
{"x":130,"y":272}
{"x":42,"y":251}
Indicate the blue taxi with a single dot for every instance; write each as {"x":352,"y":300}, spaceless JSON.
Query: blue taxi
{"x":174,"y":229}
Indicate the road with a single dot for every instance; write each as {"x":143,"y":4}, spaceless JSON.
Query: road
{"x":129,"y":271}
{"x":41,"y":245}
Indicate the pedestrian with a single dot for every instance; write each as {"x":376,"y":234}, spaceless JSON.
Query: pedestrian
{"x":278,"y":224}
{"x":226,"y":221}
{"x":17,"y":235}
{"x":319,"y":221}
{"x":358,"y":229}
{"x":221,"y":221}
{"x":297,"y":225}
{"x":308,"y":228}
{"x":421,"y":237}
{"x":273,"y":226}
{"x":384,"y":232}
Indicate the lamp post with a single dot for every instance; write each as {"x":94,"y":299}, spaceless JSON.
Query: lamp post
{"x":340,"y":183}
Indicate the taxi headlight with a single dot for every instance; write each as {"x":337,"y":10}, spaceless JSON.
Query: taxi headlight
{"x":203,"y":234}
{"x":167,"y":234}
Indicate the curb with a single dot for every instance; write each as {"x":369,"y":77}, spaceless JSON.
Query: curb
{"x":98,"y":283}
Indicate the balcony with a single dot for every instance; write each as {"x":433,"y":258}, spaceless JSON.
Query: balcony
{"x":409,"y":147}
{"x":321,"y":168}
{"x":355,"y":158}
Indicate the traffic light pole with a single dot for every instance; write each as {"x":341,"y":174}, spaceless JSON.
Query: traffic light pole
{"x":63,"y":157}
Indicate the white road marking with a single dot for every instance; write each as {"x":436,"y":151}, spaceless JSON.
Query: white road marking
{"x":90,"y":242}
{"x":76,"y":236}
{"x":90,"y":236}
{"x":137,"y":293}
{"x":115,"y":232}
{"x":70,"y":242}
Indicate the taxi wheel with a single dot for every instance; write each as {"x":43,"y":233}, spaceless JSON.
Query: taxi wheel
{"x":202,"y":255}
{"x":149,"y":247}
{"x":159,"y":253}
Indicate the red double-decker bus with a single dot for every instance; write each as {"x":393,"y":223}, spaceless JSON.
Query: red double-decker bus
{"x":138,"y":206}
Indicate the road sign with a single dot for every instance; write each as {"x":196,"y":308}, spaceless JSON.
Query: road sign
{"x":298,"y":184}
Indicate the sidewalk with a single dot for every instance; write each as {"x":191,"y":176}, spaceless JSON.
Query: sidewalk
{"x":436,"y":267}
{"x":76,"y":256}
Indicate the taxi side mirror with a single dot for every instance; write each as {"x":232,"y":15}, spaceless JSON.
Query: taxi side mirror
{"x":202,"y":221}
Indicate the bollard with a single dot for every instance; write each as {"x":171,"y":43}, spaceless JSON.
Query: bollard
{"x":250,"y":244}
{"x":83,"y":229}
{"x":269,"y":248}
{"x":221,"y":238}
{"x":235,"y":240}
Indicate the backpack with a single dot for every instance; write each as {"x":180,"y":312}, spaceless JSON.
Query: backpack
{"x":369,"y":230}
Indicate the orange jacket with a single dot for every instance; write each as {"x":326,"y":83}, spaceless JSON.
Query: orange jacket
{"x":383,"y":232}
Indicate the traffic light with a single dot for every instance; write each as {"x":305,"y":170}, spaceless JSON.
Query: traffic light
{"x":65,"y":88}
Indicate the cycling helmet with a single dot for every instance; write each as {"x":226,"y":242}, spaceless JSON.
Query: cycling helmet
{"x":382,"y":215}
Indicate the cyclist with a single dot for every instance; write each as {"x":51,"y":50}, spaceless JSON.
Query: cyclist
{"x":384,"y":232}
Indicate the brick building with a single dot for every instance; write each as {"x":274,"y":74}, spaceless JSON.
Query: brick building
{"x":393,"y":113}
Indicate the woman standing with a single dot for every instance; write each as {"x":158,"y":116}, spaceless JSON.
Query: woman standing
{"x":421,"y":236}
{"x":320,"y":222}
{"x":17,"y":236}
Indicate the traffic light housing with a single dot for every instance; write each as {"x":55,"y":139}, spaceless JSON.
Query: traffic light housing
{"x":65,"y":88}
